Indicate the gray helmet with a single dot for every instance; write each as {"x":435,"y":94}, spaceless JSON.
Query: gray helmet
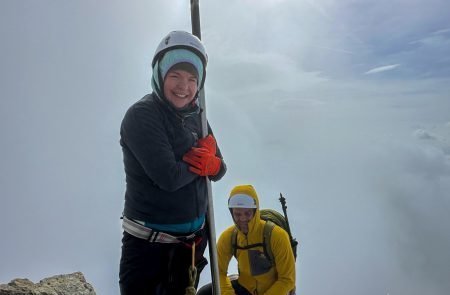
{"x":180,"y":39}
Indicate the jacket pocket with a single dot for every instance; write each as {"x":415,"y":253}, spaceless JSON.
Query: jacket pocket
{"x":259,"y":263}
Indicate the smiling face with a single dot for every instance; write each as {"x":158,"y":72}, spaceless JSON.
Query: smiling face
{"x":180,"y":87}
{"x":242,"y":217}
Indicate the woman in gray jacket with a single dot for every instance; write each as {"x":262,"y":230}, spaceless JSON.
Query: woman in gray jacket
{"x":166,"y":162}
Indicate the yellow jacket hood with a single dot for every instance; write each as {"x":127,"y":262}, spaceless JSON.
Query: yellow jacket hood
{"x":256,"y":273}
{"x":247,"y":190}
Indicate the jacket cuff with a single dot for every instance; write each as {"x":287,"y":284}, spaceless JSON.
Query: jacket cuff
{"x":222,"y":171}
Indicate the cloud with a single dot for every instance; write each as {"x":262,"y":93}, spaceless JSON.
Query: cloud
{"x":423,"y":134}
{"x":442,"y":31}
{"x":291,"y":114}
{"x":294,"y":104}
{"x":439,"y":139}
{"x":382,"y":69}
{"x":339,"y":50}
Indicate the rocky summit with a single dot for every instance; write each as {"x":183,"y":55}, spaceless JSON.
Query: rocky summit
{"x":69,"y":284}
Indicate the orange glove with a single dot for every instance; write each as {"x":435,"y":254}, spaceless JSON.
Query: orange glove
{"x":202,"y":162}
{"x":209,"y":143}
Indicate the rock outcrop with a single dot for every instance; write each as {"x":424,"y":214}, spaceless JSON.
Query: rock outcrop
{"x":69,"y":284}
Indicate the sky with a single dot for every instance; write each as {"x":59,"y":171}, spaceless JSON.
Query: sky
{"x":342,"y":106}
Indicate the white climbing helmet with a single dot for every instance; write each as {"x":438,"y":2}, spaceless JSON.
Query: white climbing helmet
{"x":241,"y":201}
{"x":181,"y":39}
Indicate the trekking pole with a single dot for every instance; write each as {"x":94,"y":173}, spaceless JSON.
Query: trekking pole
{"x":288,"y":228}
{"x":195,"y":19}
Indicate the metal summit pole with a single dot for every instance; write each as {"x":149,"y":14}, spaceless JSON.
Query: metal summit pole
{"x":195,"y":19}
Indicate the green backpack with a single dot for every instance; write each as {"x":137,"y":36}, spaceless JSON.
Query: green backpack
{"x":272,"y":218}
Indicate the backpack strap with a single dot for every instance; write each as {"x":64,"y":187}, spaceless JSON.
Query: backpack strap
{"x":235,"y":246}
{"x":267,"y":235}
{"x":234,"y":241}
{"x":267,"y":248}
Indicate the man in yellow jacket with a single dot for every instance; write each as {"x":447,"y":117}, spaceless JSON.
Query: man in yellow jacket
{"x":257,"y":274}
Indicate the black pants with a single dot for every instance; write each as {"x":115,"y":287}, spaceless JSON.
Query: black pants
{"x":238,"y":289}
{"x":155,"y":268}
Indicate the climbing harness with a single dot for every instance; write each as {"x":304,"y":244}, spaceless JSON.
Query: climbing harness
{"x":191,"y":241}
{"x":142,"y":232}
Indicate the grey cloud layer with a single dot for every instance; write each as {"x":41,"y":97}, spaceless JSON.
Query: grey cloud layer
{"x":362,"y":159}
